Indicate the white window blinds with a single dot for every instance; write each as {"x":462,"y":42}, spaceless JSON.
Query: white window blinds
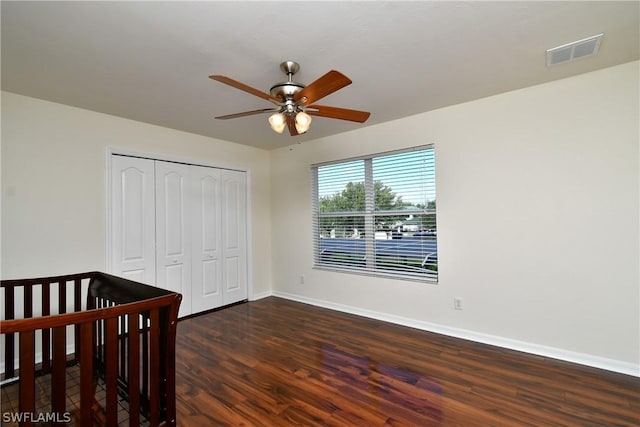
{"x":377,"y":215}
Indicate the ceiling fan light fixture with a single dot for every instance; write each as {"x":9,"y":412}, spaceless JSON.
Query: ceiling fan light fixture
{"x":277,"y":122}
{"x":303,"y":121}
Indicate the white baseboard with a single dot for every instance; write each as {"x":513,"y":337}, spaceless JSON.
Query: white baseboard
{"x":540,"y":350}
{"x":261,"y":295}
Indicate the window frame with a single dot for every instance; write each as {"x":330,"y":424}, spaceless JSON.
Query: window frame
{"x":369,"y":214}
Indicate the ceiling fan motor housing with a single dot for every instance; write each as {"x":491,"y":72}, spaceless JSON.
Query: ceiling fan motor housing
{"x":286,"y":90}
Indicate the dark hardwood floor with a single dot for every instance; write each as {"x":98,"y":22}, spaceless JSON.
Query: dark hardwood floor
{"x":275,"y":362}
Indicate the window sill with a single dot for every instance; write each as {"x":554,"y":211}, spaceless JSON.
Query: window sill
{"x":380,"y":274}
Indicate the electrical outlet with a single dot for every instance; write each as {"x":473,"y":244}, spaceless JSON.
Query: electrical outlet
{"x":302,"y":279}
{"x":457,"y":303}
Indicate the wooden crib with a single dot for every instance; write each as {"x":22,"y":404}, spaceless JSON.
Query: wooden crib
{"x":120,"y":333}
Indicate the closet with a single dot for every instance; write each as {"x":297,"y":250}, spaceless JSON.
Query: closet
{"x":180,"y":227}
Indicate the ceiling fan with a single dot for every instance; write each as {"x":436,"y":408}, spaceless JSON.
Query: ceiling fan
{"x":295,"y":101}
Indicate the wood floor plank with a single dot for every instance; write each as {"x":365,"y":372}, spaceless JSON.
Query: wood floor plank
{"x":275,"y":362}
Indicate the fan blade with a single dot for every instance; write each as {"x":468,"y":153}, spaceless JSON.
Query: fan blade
{"x":234,"y":83}
{"x":323,"y":86}
{"x":338,"y":113}
{"x":291,"y":123}
{"x":247,"y":113}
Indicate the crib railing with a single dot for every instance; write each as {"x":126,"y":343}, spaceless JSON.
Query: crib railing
{"x":125,"y":335}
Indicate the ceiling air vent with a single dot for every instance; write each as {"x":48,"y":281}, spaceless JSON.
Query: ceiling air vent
{"x":574,"y":50}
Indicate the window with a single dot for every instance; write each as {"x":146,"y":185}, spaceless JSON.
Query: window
{"x":377,"y":215}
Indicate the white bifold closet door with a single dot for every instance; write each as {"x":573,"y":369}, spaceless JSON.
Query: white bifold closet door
{"x":181,"y":227}
{"x":133,"y":219}
{"x":207,"y":239}
{"x":174,"y":201}
{"x":234,"y":236}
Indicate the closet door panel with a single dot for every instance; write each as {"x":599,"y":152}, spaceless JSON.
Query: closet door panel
{"x":207,"y":239}
{"x":173,"y":238}
{"x":133,"y":219}
{"x":234,"y":236}
{"x":211,"y":281}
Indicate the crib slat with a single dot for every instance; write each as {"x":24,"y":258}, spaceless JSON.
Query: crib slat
{"x":145,"y":355}
{"x":62,"y":297}
{"x":154,"y":366}
{"x":58,"y":376}
{"x":123,"y":347}
{"x":77,"y":307}
{"x":86,"y":374}
{"x":9,"y":343}
{"x":27,"y":375}
{"x":77,"y":295}
{"x":102,"y":355}
{"x":101,"y":333}
{"x":100,"y":336}
{"x":46,"y":333}
{"x":28,"y":302}
{"x":134,"y":370}
{"x":168,"y":334}
{"x":112,"y":371}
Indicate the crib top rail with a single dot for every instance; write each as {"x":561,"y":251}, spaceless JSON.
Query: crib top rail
{"x":13,"y":283}
{"x":56,"y":320}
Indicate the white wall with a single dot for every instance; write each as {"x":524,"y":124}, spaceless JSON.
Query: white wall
{"x":54,"y":191}
{"x":538,"y":214}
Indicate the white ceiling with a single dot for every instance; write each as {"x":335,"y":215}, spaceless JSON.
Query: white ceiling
{"x":150,"y":61}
